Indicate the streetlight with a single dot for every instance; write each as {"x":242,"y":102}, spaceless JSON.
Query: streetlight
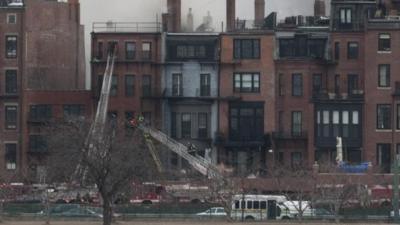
{"x":271,"y":151}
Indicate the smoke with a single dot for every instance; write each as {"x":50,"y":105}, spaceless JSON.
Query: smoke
{"x":149,"y":10}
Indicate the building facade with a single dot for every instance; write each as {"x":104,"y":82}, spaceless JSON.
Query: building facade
{"x":39,"y":82}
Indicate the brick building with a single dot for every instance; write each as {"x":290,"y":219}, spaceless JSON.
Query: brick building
{"x":284,"y":91}
{"x":39,"y":82}
{"x":262,"y":92}
{"x":136,"y":83}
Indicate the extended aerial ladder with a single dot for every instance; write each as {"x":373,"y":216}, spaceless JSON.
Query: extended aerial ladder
{"x":96,"y":131}
{"x":199,"y":163}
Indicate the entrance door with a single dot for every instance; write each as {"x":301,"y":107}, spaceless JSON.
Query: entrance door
{"x":271,"y":212}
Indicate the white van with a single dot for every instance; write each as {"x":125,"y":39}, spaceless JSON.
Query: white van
{"x":291,"y":209}
{"x":260,"y":207}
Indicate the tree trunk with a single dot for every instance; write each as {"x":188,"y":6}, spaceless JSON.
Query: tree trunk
{"x":337,"y":218}
{"x":1,"y":210}
{"x":107,"y":211}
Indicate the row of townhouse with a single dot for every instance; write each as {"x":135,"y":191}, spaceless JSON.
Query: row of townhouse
{"x":266,"y":93}
{"x":252,"y":95}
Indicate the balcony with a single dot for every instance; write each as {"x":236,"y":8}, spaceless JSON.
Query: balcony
{"x":198,"y":93}
{"x":325,"y":96}
{"x":281,"y":135}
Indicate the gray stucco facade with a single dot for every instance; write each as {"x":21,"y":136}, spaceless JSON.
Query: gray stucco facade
{"x":190,"y":92}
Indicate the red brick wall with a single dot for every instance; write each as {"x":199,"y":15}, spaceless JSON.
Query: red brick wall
{"x":376,"y":95}
{"x":120,"y":103}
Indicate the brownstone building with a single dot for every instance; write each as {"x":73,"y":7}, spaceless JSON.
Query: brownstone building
{"x":136,"y":83}
{"x":39,"y":82}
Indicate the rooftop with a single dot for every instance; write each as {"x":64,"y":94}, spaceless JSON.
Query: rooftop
{"x":126,"y":27}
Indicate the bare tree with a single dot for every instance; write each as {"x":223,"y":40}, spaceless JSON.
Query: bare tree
{"x":111,"y":163}
{"x":337,"y":190}
{"x":223,"y":191}
{"x":297,"y":183}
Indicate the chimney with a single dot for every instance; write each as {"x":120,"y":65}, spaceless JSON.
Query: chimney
{"x":230,"y":15}
{"x":319,"y":8}
{"x":259,"y":12}
{"x":174,"y":11}
{"x":189,"y":21}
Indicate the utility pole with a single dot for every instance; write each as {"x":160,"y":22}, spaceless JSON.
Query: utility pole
{"x":396,"y":189}
{"x":395,"y":168}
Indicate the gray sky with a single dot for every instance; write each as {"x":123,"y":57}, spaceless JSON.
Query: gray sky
{"x":147,"y":11}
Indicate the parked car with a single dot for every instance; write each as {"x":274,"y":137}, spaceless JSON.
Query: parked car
{"x":213,"y":212}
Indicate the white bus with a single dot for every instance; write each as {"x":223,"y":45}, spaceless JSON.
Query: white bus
{"x":260,"y":207}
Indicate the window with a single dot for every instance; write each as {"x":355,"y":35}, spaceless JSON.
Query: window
{"x":296,"y":124}
{"x":345,"y":123}
{"x":177,"y":86}
{"x":205,"y":85}
{"x":146,"y":85}
{"x":246,"y":121}
{"x":337,"y":84}
{"x":317,"y":83}
{"x":130,"y":50}
{"x":11,"y":117}
{"x":281,"y":85}
{"x":173,"y":124}
{"x":316,"y":48}
{"x":203,"y":125}
{"x":40,"y":113}
{"x":355,"y":124}
{"x":246,"y":82}
{"x":337,"y":50}
{"x":11,"y":156}
{"x":246,"y":49}
{"x":280,"y":121}
{"x":11,"y":18}
{"x":336,"y":122}
{"x":352,"y":50}
{"x":112,"y":47}
{"x":296,"y":159}
{"x":297,"y":85}
{"x":146,"y":50}
{"x":191,"y":51}
{"x":114,"y":86}
{"x":11,"y":46}
{"x":398,"y":117}
{"x":325,"y":123}
{"x":186,"y":125}
{"x":383,"y":117}
{"x":129,"y":85}
{"x":74,"y":111}
{"x":100,"y":50}
{"x":384,"y":75}
{"x":352,"y":83}
{"x":383,"y":157}
{"x":37,"y":143}
{"x":11,"y":86}
{"x":384,"y":42}
{"x":345,"y":16}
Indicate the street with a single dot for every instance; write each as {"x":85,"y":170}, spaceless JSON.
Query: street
{"x":145,"y":222}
